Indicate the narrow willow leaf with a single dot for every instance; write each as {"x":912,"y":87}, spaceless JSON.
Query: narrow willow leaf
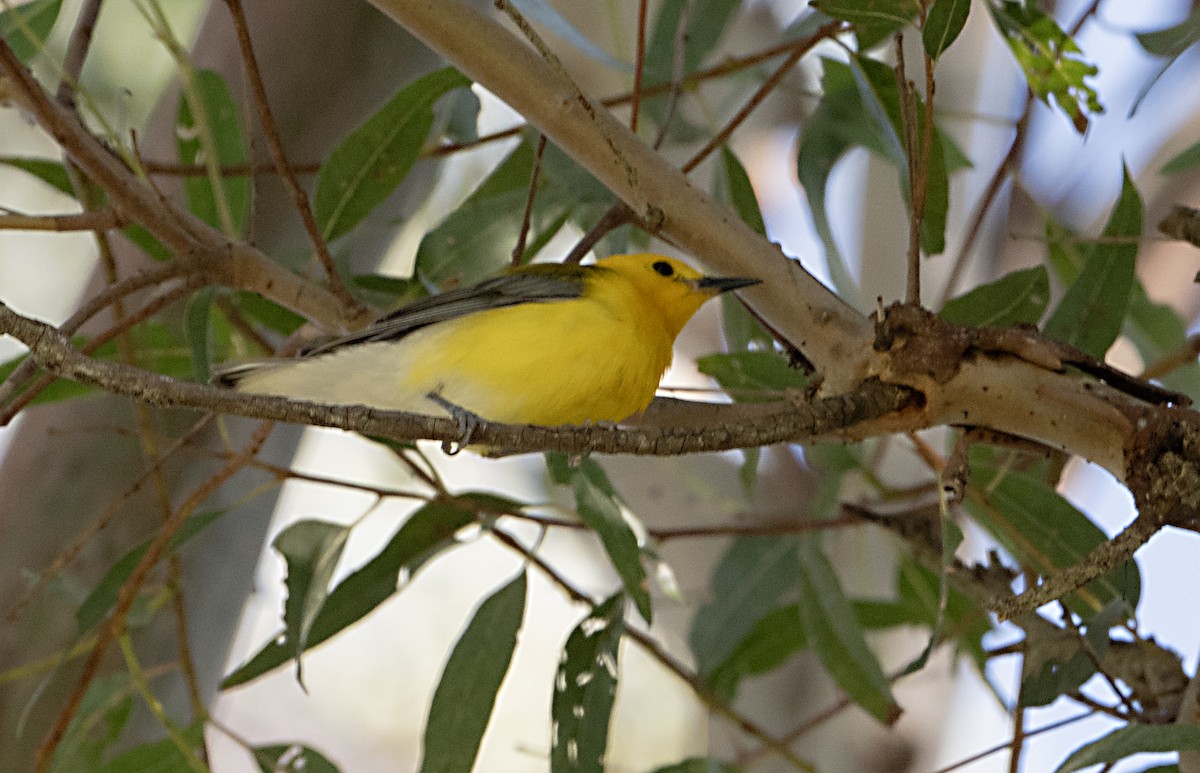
{"x":104,"y":595}
{"x":52,"y":173}
{"x":1091,"y":313}
{"x":1132,"y":739}
{"x":1183,"y":161}
{"x":775,"y":638}
{"x":225,"y":208}
{"x":96,"y":725}
{"x":706,"y":23}
{"x":1017,"y":298}
{"x":1155,"y":329}
{"x":25,"y":27}
{"x":877,"y":87}
{"x":477,"y":239}
{"x":163,"y":756}
{"x":312,"y":550}
{"x":944,"y":22}
{"x":599,"y":507}
{"x":1045,"y":532}
{"x":833,"y":632}
{"x":196,"y":325}
{"x":746,"y":373}
{"x":292,"y":758}
{"x":753,"y":577}
{"x":891,"y":14}
{"x":547,"y":16}
{"x":1169,"y":43}
{"x":742,"y":330}
{"x":426,"y":533}
{"x":734,"y":187}
{"x":370,"y":163}
{"x":466,"y":694}
{"x":585,"y":687}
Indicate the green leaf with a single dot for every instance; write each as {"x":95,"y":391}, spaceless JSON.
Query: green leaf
{"x":146,"y":242}
{"x":733,"y":187}
{"x":1017,"y":298}
{"x":52,"y":173}
{"x":427,"y":532}
{"x":599,"y":507}
{"x":477,"y":239}
{"x":753,"y":577}
{"x":706,"y":23}
{"x":1157,"y":330}
{"x":943,"y":23}
{"x":1185,"y":160}
{"x":877,"y":88}
{"x":835,"y":635}
{"x":267,"y":312}
{"x":753,"y":376}
{"x":96,"y":725}
{"x":1172,"y":41}
{"x":697,"y":765}
{"x":104,"y":595}
{"x":368,"y":165}
{"x":59,"y":389}
{"x":224,"y":124}
{"x":1052,"y":62}
{"x":162,"y":756}
{"x":585,"y":687}
{"x":311,"y":550}
{"x":466,"y":694}
{"x":292,"y":758}
{"x":26,"y":27}
{"x":547,"y":16}
{"x":1091,"y":313}
{"x":196,"y":322}
{"x":775,"y":638}
{"x":1045,"y":532}
{"x":1132,"y":739}
{"x":891,"y":14}
{"x":1169,"y":43}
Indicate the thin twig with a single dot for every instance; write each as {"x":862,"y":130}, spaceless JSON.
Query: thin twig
{"x":518,"y":252}
{"x":115,"y":622}
{"x":275,"y":146}
{"x":157,"y":304}
{"x":1003,"y":169}
{"x":652,"y":648}
{"x":97,"y":220}
{"x":768,"y":85}
{"x":77,"y":50}
{"x":639,"y":67}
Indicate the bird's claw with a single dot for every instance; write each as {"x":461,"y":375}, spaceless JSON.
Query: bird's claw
{"x":468,"y":422}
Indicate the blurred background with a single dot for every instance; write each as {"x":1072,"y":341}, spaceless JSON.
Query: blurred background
{"x":367,"y":692}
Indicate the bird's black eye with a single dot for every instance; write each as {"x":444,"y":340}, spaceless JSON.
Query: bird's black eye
{"x":663,"y":267}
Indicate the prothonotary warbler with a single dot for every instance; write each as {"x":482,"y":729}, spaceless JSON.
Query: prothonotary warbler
{"x":542,"y":344}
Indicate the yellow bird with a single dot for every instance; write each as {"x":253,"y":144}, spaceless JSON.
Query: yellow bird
{"x":545,"y":344}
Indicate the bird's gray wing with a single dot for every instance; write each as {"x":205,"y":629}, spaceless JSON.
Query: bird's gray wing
{"x":523,"y":286}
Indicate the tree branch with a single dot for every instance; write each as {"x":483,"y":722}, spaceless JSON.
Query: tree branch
{"x":831,"y":334}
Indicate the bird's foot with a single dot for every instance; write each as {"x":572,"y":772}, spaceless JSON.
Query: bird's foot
{"x":468,"y":422}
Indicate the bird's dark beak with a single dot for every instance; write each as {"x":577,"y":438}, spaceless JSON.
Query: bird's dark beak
{"x":723,"y":284}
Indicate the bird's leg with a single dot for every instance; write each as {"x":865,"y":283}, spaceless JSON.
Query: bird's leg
{"x":468,"y":422}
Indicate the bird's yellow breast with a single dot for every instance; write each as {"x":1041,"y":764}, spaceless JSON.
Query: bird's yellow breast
{"x":569,"y":362}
